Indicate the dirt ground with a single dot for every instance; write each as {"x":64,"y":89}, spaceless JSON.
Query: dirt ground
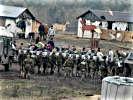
{"x":69,"y":39}
{"x":41,"y":87}
{"x":54,"y":87}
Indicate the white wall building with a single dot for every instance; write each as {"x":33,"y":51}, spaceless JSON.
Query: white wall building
{"x":107,"y":20}
{"x":12,"y":14}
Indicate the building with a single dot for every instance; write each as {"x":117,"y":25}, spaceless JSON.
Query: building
{"x":113,"y":25}
{"x":12,"y":15}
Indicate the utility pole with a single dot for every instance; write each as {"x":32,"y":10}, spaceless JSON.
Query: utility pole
{"x":92,"y":40}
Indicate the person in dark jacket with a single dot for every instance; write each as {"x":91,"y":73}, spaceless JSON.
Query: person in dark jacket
{"x":22,"y":24}
{"x":41,"y":31}
{"x":5,"y":62}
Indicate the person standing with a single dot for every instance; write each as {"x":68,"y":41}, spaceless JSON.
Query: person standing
{"x":21,"y":58}
{"x":51,"y":43}
{"x":28,"y":65}
{"x":21,"y":48}
{"x":51,"y":32}
{"x":110,"y":59}
{"x":59,"y":62}
{"x":5,"y":62}
{"x":100,"y":55}
{"x":41,"y":31}
{"x":52,"y":60}
{"x":10,"y":55}
{"x":39,"y":60}
{"x":46,"y":29}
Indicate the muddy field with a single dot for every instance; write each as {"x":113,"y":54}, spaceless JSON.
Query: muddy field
{"x":54,"y":87}
{"x":47,"y":87}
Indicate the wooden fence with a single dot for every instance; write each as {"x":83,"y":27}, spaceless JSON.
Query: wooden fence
{"x":123,"y":36}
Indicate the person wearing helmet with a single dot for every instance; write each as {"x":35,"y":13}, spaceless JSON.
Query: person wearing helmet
{"x":68,"y":65}
{"x":21,"y":58}
{"x":110,"y":60}
{"x":44,"y":61}
{"x":5,"y":62}
{"x":83,"y":67}
{"x":75,"y":60}
{"x":103,"y":68}
{"x":59,"y":62}
{"x":52,"y":62}
{"x":92,"y":66}
{"x":79,"y":59}
{"x":28,"y":64}
{"x":83,"y":52}
{"x":39,"y":61}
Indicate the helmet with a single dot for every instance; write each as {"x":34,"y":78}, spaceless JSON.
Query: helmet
{"x":38,"y":52}
{"x":44,"y":53}
{"x":83,"y":56}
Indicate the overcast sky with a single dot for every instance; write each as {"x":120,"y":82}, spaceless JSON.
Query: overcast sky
{"x":70,"y":1}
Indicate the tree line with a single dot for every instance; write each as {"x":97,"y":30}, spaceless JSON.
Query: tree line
{"x":60,"y":11}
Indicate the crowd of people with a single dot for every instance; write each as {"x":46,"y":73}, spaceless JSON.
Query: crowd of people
{"x":67,"y":61}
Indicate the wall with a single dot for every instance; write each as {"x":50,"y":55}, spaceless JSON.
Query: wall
{"x":35,"y":26}
{"x":9,"y":21}
{"x":107,"y":34}
{"x":15,"y":29}
{"x":28,"y":27}
{"x":87,"y":34}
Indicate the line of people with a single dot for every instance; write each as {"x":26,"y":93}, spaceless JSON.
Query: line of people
{"x":67,"y":61}
{"x":70,"y":62}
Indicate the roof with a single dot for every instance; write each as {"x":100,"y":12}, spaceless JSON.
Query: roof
{"x":12,"y":11}
{"x":110,"y":15}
